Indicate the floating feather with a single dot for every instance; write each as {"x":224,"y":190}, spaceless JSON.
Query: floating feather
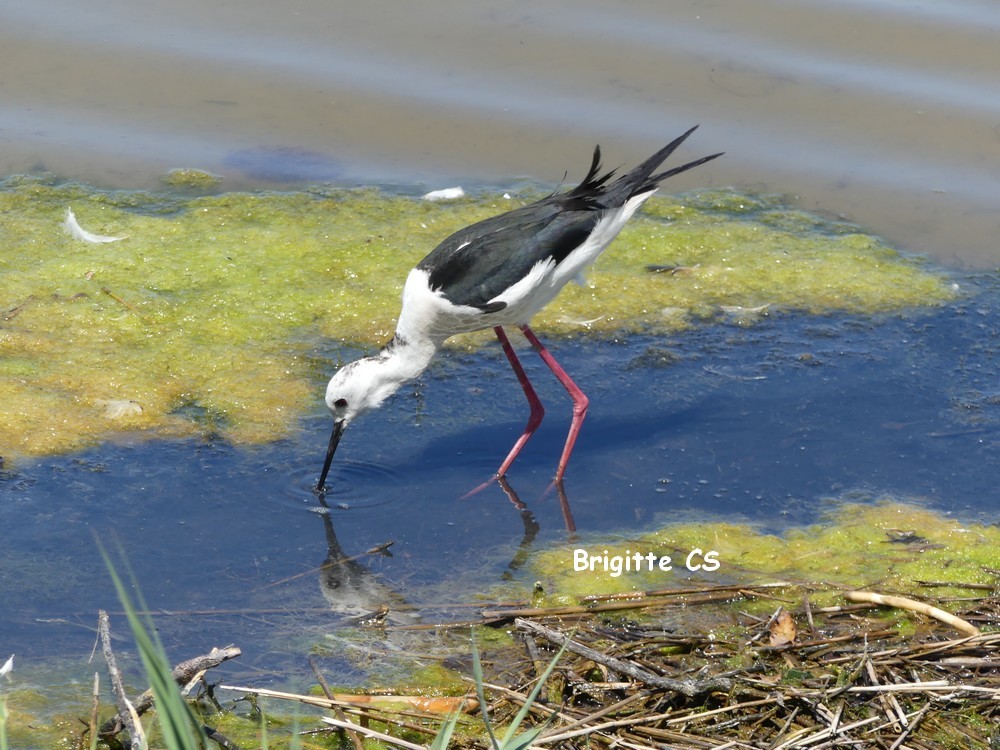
{"x":72,"y":226}
{"x":445,"y":194}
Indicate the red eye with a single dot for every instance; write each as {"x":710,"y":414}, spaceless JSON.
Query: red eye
{"x":340,"y":403}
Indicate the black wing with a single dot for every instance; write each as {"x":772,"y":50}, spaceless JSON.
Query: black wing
{"x":500,"y":251}
{"x":477,"y":263}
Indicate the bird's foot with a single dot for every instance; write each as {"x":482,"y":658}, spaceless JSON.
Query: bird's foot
{"x":476,"y":490}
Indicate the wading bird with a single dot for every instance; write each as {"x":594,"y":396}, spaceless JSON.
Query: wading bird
{"x":500,"y":272}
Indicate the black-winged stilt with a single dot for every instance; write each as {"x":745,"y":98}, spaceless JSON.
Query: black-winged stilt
{"x":500,"y":272}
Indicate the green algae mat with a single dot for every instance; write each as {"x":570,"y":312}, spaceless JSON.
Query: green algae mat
{"x":174,"y":314}
{"x":683,"y":631}
{"x":889,"y":544}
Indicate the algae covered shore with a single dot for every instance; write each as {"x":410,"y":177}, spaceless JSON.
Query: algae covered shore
{"x":221,"y":315}
{"x":743,"y":654}
{"x":215,"y":314}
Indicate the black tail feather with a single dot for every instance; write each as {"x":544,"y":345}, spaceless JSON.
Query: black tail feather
{"x":640,"y":179}
{"x":593,"y":181}
{"x":656,"y":179}
{"x":594,"y":188}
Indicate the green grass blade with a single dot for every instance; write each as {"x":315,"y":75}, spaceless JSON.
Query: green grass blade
{"x":526,"y":738}
{"x":477,"y":675}
{"x":510,"y":742}
{"x":180,"y":729}
{"x":443,"y":737}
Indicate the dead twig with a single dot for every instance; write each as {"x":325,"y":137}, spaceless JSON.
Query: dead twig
{"x":374,"y":734}
{"x":127,"y":715}
{"x":186,"y":674}
{"x":118,"y":299}
{"x":354,"y":736}
{"x":910,"y":727}
{"x":95,"y":705}
{"x":901,"y":602}
{"x":436,"y":705}
{"x":18,"y":309}
{"x":687,"y":687}
{"x":219,"y":738}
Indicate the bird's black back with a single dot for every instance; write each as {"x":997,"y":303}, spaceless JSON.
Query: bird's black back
{"x":479,"y":262}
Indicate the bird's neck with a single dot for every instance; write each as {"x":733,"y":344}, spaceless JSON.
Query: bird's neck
{"x":407,"y":358}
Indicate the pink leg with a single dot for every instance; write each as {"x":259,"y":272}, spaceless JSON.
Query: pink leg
{"x":580,"y":401}
{"x":537,"y":410}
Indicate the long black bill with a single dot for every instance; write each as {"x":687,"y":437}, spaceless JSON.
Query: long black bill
{"x":338,"y":430}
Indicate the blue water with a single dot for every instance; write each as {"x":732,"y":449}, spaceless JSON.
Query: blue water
{"x":883,"y":113}
{"x":767,"y":423}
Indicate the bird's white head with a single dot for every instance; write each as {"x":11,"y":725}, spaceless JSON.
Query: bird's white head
{"x":364,"y":384}
{"x":361,"y":386}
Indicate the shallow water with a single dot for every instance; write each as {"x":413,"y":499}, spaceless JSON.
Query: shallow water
{"x":885,"y":112}
{"x":769,"y":424}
